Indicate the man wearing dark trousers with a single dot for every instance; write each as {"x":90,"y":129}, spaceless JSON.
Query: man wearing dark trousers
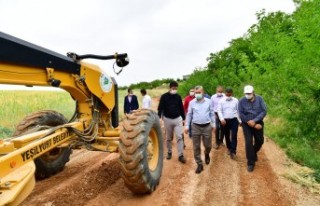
{"x":130,"y":102}
{"x":228,"y":115}
{"x":215,"y":99}
{"x":170,"y":109}
{"x":201,"y":118}
{"x":252,"y":110}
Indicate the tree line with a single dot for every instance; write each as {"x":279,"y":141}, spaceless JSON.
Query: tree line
{"x":280,"y":57}
{"x":150,"y":85}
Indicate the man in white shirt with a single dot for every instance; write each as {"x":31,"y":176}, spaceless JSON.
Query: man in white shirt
{"x":229,"y":118}
{"x":146,"y":101}
{"x":214,"y":104}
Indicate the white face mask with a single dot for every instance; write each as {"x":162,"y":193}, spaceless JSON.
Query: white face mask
{"x":191,"y":93}
{"x":173,"y":91}
{"x":249,"y":96}
{"x":229,"y":98}
{"x":219,"y":94}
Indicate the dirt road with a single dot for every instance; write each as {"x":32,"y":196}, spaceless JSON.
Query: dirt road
{"x":93,"y":178}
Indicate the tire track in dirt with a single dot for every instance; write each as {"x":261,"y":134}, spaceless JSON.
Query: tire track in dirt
{"x":227,"y":182}
{"x":174,"y":176}
{"x":262,"y":186}
{"x":211,"y":187}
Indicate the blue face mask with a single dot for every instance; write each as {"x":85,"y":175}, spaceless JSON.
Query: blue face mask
{"x":198,"y":96}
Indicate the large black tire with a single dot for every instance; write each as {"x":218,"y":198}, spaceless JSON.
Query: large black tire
{"x":141,"y":151}
{"x":53,"y":161}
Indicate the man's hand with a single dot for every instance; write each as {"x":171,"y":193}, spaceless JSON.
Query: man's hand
{"x":251,"y":123}
{"x":186,"y":130}
{"x":258,"y":126}
{"x":223,"y":122}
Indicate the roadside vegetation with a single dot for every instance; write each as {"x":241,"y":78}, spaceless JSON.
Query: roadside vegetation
{"x":280,"y":57}
{"x":150,"y":85}
{"x":15,"y":105}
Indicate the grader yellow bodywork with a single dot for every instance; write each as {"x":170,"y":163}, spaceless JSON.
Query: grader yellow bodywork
{"x":43,"y":141}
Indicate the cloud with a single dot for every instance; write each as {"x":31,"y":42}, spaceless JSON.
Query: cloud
{"x":164,"y":38}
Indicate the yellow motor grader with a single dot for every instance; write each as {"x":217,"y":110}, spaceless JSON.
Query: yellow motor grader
{"x":43,"y":141}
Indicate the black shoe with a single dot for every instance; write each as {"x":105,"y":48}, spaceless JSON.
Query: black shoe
{"x":169,"y":155}
{"x":207,"y":158}
{"x":182,"y":159}
{"x":250,"y":168}
{"x":233,"y":156}
{"x":199,"y":168}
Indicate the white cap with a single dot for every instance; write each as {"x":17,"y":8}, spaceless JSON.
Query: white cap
{"x":248,"y":89}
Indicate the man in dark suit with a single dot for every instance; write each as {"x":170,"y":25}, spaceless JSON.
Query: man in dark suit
{"x":130,"y":102}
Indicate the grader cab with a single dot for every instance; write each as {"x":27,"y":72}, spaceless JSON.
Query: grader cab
{"x":43,"y":141}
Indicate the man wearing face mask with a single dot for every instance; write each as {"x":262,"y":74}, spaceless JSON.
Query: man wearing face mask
{"x":252,"y":110}
{"x":228,"y":115}
{"x":188,"y":99}
{"x":186,"y":102}
{"x":215,"y":99}
{"x":201,"y":118}
{"x":171,"y":110}
{"x":130,"y":102}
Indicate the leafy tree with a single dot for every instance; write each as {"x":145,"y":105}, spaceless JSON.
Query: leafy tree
{"x":280,"y":57}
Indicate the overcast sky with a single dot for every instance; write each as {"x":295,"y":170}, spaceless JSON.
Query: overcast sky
{"x":163,"y":38}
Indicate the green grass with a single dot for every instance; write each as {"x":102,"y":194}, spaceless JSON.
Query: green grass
{"x":299,"y":149}
{"x":15,"y":105}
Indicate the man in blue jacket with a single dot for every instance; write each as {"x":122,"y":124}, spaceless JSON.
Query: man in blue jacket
{"x":252,"y":110}
{"x":130,"y":102}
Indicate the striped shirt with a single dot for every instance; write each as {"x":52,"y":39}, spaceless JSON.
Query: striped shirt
{"x":255,"y":110}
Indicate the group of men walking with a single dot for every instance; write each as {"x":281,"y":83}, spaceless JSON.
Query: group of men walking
{"x":222,"y":114}
{"x":202,"y":116}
